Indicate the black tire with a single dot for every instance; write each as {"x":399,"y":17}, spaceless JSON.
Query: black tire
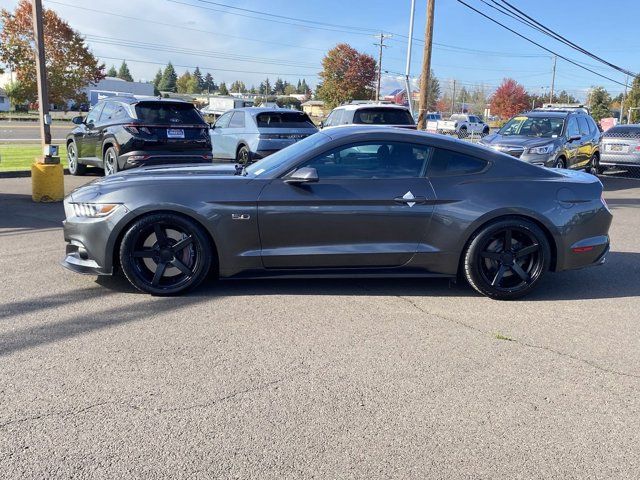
{"x":594,"y":165}
{"x":73,"y":163}
{"x":165,"y":254}
{"x":506,"y":274}
{"x":243,"y":157}
{"x":462,"y":133}
{"x":485,"y":132}
{"x":110,"y":161}
{"x":560,"y":163}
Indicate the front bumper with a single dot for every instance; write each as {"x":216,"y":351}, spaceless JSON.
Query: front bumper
{"x":144,"y":158}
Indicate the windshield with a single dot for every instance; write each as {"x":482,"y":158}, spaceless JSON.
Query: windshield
{"x":168,"y":113}
{"x":274,"y":161}
{"x":284,"y":120}
{"x":383,"y":116}
{"x":546,"y":127}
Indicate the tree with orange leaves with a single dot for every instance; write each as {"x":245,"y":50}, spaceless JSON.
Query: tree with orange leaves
{"x":509,"y":99}
{"x":70,"y":65}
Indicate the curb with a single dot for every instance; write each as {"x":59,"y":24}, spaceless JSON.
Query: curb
{"x":22,"y":173}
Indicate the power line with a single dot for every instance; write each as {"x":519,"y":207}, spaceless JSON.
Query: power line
{"x":537,"y":44}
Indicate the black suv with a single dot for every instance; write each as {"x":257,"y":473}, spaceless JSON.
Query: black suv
{"x":560,"y":138}
{"x":125,"y":132}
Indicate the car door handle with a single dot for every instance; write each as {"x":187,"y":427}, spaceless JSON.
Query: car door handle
{"x":410,"y":200}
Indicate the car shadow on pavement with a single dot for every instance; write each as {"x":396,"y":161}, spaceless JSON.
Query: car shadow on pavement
{"x":614,"y":184}
{"x":18,"y":213}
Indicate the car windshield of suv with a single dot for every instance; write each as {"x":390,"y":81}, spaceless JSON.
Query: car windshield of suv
{"x":383,"y":116}
{"x":167,"y":113}
{"x":547,"y":127}
{"x":283,"y":120}
{"x":276,"y":160}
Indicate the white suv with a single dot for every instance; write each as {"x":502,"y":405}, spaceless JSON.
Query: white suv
{"x":370,"y":114}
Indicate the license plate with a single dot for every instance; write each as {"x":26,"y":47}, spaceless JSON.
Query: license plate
{"x":175,"y":133}
{"x":617,"y":148}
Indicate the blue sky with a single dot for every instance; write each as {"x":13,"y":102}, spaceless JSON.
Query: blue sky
{"x":234,"y":44}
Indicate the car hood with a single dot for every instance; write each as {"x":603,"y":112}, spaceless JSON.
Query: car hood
{"x":496,"y":139}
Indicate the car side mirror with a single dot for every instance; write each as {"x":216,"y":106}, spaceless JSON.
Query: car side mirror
{"x":303,"y":175}
{"x":574,"y":137}
{"x":79,"y":120}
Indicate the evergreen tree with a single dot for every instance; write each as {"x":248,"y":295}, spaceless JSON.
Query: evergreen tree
{"x":182,"y":84}
{"x":223,"y":89}
{"x":169,"y":79}
{"x":197,"y":74}
{"x":112,"y":72}
{"x":156,"y":82}
{"x":633,"y":101}
{"x":124,"y":72}
{"x":267,"y":87}
{"x":299,"y":87}
{"x":304,"y":88}
{"x":278,"y":87}
{"x":599,"y":100}
{"x":209,"y":85}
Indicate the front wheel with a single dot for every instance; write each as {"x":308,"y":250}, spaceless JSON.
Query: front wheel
{"x":165,"y":254}
{"x":560,"y":163}
{"x":73,"y":163}
{"x":506,"y":259}
{"x":243,"y":157}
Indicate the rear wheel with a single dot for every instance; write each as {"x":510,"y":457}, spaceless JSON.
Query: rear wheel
{"x":165,"y":254}
{"x":74,"y":165}
{"x":110,"y":161}
{"x":560,"y":163}
{"x":462,"y":133}
{"x":243,"y":157}
{"x":594,"y":165}
{"x":485,"y":132}
{"x":506,"y":259}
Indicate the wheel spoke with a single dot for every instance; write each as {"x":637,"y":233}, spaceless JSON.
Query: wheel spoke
{"x":498,"y":277}
{"x":158,"y":273}
{"x":527,"y":250}
{"x":491,"y":255}
{"x":182,"y":244}
{"x":161,"y":235}
{"x":181,"y":266}
{"x":144,"y":253}
{"x":520,"y":272}
{"x":507,"y":239}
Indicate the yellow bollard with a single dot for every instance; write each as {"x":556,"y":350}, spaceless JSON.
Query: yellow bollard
{"x":47,"y":182}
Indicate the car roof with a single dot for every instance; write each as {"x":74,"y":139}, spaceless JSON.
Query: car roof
{"x":133,"y":100}
{"x":256,"y":110}
{"x":547,"y":113}
{"x":358,"y":106}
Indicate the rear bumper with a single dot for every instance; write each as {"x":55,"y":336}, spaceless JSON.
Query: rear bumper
{"x":149,"y":158}
{"x":586,"y":253}
{"x":629,"y":160}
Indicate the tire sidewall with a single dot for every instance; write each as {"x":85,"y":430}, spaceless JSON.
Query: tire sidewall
{"x":201,"y":242}
{"x":471,"y":261}
{"x":115,"y":162}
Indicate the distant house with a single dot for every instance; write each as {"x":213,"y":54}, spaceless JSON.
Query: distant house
{"x":5,"y":104}
{"x":313,"y":108}
{"x":111,"y":86}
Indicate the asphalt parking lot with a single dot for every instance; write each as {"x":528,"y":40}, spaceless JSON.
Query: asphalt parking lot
{"x":315,"y":379}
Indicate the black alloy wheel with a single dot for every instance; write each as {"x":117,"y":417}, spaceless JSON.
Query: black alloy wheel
{"x":165,"y":254}
{"x":74,"y":165}
{"x":506,"y":259}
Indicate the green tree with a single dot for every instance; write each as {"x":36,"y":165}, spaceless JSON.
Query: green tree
{"x":124,"y":73}
{"x":434,"y":91}
{"x":70,"y":64}
{"x":299,"y":87}
{"x":182,"y":84}
{"x":156,"y":82}
{"x":278,"y":87}
{"x":599,"y":101}
{"x":223,"y":89}
{"x":209,"y":85}
{"x":290,"y":89}
{"x":112,"y":72}
{"x":197,"y":74}
{"x":633,"y":101}
{"x":346,"y":75}
{"x":238,"y":87}
{"x":169,"y":79}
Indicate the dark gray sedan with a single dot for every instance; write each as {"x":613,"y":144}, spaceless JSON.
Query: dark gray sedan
{"x":351,"y":201}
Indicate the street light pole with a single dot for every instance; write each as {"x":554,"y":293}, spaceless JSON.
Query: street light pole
{"x":381,"y":45}
{"x":407,"y":69}
{"x":426,"y":67}
{"x":41,"y":78}
{"x":553,"y":78}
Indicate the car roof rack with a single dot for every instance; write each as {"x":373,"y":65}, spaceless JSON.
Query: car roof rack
{"x":554,"y":107}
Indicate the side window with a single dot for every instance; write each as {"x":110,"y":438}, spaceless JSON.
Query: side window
{"x":593,"y":128}
{"x":584,"y":126}
{"x":94,"y":114}
{"x":107,"y":112}
{"x":329,"y":121}
{"x":372,"y":160}
{"x":120,"y":113}
{"x":237,"y":121}
{"x":572,"y":128}
{"x":448,"y":162}
{"x":338,"y":117}
{"x":223,"y":121}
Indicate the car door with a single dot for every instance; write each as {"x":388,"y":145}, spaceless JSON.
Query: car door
{"x":233,"y":133}
{"x":585,"y":144}
{"x":370,"y":207}
{"x":96,"y":134}
{"x":572,"y":146}
{"x":86,"y":138}
{"x":218,"y":133}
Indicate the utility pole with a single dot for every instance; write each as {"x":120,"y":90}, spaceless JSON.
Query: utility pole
{"x":47,"y":176}
{"x":623,"y":97}
{"x":426,"y":66}
{"x":453,"y":97}
{"x":381,"y":45}
{"x":407,"y":69}
{"x":553,"y":78}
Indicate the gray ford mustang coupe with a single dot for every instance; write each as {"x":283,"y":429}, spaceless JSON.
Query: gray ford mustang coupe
{"x":348,"y":201}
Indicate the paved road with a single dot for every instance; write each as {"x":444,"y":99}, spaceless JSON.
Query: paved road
{"x":315,"y":379}
{"x":28,"y":132}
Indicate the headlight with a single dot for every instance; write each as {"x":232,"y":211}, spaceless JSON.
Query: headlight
{"x":94,"y":210}
{"x":543,"y":150}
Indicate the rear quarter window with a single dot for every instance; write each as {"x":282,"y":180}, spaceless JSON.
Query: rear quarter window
{"x":284,"y":120}
{"x":447,"y":162}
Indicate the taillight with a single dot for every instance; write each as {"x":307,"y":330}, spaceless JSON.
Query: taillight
{"x":137,"y":129}
{"x":637,"y":148}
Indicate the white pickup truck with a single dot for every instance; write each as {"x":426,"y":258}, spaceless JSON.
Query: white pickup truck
{"x":463,"y":125}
